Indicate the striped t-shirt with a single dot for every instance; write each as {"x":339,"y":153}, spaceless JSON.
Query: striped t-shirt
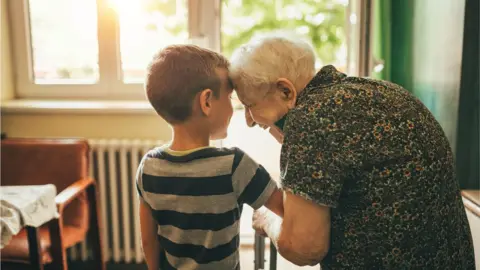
{"x":197,"y":201}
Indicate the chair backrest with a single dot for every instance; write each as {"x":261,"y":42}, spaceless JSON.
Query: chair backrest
{"x":40,"y":161}
{"x":47,"y":161}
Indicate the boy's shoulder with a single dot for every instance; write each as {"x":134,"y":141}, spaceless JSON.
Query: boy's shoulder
{"x":162,"y":152}
{"x":220,"y":159}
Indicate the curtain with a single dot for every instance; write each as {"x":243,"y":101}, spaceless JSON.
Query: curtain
{"x":393,"y":41}
{"x":468,"y":147}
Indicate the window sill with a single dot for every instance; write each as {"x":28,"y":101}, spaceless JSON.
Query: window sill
{"x":21,"y":106}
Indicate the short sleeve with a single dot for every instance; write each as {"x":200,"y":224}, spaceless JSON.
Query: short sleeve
{"x":317,"y":156}
{"x":252,"y":184}
{"x":139,"y":179}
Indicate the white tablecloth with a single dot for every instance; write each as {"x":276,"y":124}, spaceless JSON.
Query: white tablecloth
{"x":25,"y":206}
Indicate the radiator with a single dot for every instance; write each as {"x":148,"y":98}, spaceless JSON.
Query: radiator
{"x":113,"y":164}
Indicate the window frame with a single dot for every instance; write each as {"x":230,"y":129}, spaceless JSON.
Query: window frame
{"x":204,"y":29}
{"x":203,"y":22}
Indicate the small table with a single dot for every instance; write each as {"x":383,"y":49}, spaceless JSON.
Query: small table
{"x":29,"y":207}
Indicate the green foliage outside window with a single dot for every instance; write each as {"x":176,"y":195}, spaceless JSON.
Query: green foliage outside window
{"x":321,"y":21}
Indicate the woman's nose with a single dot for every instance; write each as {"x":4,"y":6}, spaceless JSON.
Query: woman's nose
{"x":248,"y":118}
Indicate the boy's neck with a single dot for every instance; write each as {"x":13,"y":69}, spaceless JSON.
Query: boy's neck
{"x":186,"y":137}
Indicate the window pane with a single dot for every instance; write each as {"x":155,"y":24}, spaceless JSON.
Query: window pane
{"x":323,"y":22}
{"x":64,"y":41}
{"x":146,"y":26}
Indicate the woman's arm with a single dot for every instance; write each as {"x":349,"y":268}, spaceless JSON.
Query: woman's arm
{"x":303,"y":235}
{"x":150,"y":243}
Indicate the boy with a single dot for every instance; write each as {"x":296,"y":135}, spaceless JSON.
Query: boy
{"x":191,"y":195}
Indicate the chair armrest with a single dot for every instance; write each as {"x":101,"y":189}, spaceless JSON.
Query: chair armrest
{"x":471,"y":201}
{"x":475,"y":209}
{"x":71,"y":192}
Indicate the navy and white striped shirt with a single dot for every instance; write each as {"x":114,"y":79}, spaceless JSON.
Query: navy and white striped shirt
{"x":197,"y":202}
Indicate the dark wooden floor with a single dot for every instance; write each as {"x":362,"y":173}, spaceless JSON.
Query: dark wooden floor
{"x":110,"y":266}
{"x":79,"y":266}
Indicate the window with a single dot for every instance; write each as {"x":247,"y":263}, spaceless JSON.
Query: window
{"x":71,"y":49}
{"x":98,"y":49}
{"x":146,"y":28}
{"x":322,"y":22}
{"x":74,"y":58}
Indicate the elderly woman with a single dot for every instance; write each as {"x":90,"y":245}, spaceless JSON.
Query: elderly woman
{"x":367,"y":171}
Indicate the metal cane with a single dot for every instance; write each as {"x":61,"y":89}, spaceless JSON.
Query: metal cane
{"x":273,"y":256}
{"x":259,"y":252}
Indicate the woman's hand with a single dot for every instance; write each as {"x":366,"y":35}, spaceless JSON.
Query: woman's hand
{"x":259,"y":221}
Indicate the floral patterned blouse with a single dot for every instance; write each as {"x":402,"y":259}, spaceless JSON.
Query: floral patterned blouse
{"x":377,"y":157}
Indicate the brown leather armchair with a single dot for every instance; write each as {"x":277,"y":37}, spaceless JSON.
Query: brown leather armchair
{"x":64,"y":163}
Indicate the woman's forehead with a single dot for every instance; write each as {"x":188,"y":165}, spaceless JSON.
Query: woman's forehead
{"x":249,"y":98}
{"x":242,"y":97}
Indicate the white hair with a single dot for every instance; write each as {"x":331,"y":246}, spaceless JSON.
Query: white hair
{"x":258,"y":64}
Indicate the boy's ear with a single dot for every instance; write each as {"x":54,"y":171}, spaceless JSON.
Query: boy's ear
{"x":205,"y":99}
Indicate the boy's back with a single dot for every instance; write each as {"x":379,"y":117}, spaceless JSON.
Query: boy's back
{"x":196,"y":198}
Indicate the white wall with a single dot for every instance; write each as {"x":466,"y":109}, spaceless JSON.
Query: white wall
{"x":437,"y":54}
